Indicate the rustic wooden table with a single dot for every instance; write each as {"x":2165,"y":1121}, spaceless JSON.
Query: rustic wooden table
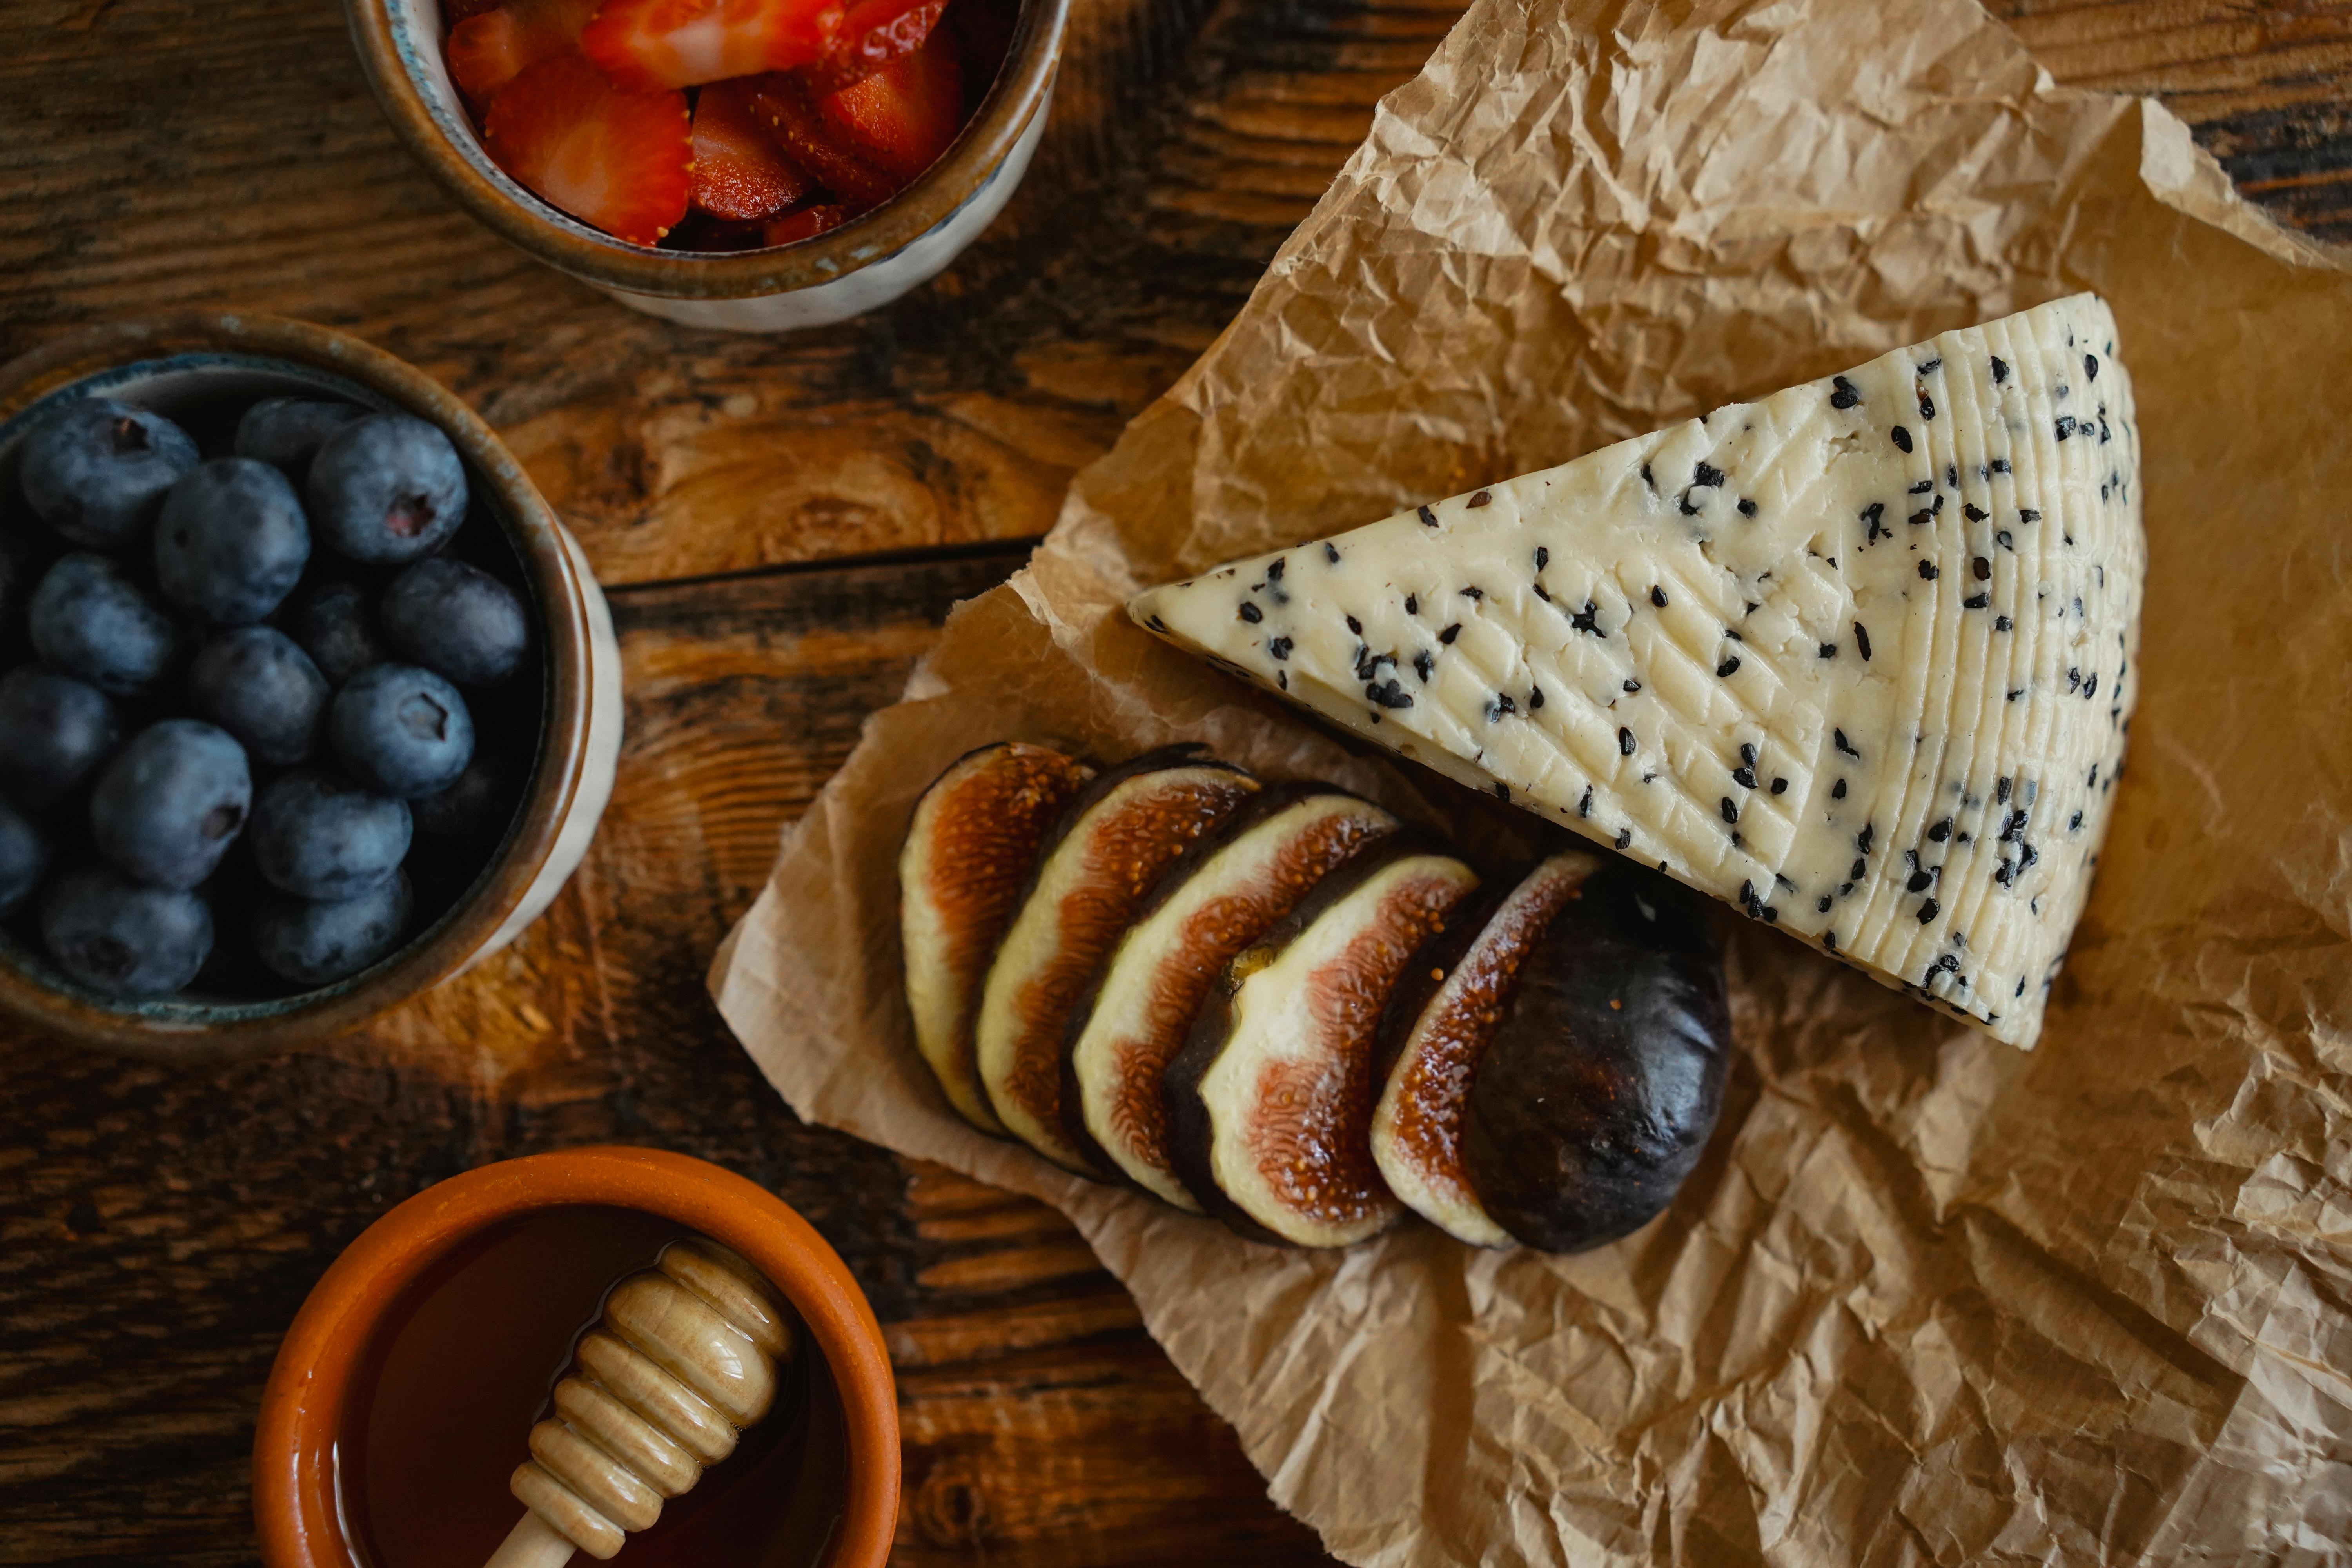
{"x":781,"y":525}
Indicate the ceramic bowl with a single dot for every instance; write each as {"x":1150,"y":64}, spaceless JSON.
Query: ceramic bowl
{"x":311,"y":1407}
{"x":865,"y":264}
{"x":179,"y":364}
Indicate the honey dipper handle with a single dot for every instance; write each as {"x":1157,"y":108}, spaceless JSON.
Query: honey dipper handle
{"x":533,"y":1544}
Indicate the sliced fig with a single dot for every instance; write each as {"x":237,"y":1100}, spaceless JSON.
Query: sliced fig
{"x":1604,"y":1077}
{"x":975,"y":837}
{"x":1436,"y":1029}
{"x":1269,"y":1105}
{"x":1220,"y":896}
{"x":1112,"y":843}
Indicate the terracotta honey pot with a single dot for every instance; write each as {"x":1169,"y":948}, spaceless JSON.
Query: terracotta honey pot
{"x":618,"y":1353}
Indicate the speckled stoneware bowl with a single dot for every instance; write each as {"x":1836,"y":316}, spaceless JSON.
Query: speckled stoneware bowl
{"x":864,"y":264}
{"x":180,"y":363}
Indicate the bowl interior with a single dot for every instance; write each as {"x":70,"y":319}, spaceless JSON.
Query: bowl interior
{"x":458,"y":1370}
{"x":203,"y":392}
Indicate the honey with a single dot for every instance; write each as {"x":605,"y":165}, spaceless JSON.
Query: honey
{"x":467,"y":1362}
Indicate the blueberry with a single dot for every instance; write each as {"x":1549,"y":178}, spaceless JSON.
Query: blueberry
{"x":258,"y":685}
{"x":231,"y":540}
{"x":53,"y":730}
{"x":286,"y":432}
{"x":387,"y":488}
{"x":24,"y":854}
{"x":456,"y":620}
{"x":171,"y":802}
{"x":97,"y":469}
{"x":117,"y":937}
{"x":337,"y":629}
{"x":475,"y":809}
{"x":314,"y":943}
{"x":402,"y":731}
{"x":316,"y":836}
{"x":88,"y":621}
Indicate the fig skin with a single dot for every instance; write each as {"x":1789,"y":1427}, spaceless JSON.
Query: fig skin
{"x":1013,"y":1087}
{"x":1190,"y":1132}
{"x":1270,"y":803}
{"x":1437,"y":1025}
{"x":961,"y":884}
{"x":1583,"y":1119}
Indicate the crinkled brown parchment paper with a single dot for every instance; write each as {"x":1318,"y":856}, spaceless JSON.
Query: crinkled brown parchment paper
{"x":1929,"y":1299}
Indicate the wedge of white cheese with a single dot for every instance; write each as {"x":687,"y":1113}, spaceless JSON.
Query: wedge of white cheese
{"x":1857,"y":658}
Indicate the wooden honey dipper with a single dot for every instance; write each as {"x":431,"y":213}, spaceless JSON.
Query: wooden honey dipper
{"x":684,"y":1359}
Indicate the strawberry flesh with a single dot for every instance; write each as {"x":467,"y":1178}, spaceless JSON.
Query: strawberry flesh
{"x":491,"y":47}
{"x":619,"y":160}
{"x":791,"y":112}
{"x":873,"y":34}
{"x":652,"y":44}
{"x":903,"y":116}
{"x":740,"y":172}
{"x":805,"y":224}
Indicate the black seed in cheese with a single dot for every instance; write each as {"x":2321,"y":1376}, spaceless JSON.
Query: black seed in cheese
{"x":1999,"y":369}
{"x":1928,"y":910}
{"x":1624,"y":742}
{"x":1843,"y":392}
{"x":1428,"y":517}
{"x":1901,"y":438}
{"x":1588,"y":620}
{"x":1708,"y":475}
{"x":1837,"y":790}
{"x":1923,"y":487}
{"x":1481,"y":499}
{"x":1974,"y":513}
{"x":1625,"y":836}
{"x":1976,"y":601}
{"x":1780,"y":787}
{"x":1422,"y":664}
{"x":1744,"y":777}
{"x":1727,"y":667}
{"x":1941,"y":831}
{"x":1658,"y":596}
{"x":1730,"y":812}
{"x":1331,"y":553}
{"x":1543,"y":557}
{"x":1927,"y":571}
{"x":1844,"y":745}
{"x":1927,"y":408}
{"x":1279,"y":648}
{"x":1250,"y":613}
{"x":2027,"y":514}
{"x":1862,"y":641}
{"x":2002,"y":623}
{"x":1413,"y":604}
{"x":1747,"y":508}
{"x":1535,"y":698}
{"x":1632,"y":685}
{"x":1355,"y":626}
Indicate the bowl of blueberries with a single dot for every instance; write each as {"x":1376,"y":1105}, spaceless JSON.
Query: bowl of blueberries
{"x":307,"y":702}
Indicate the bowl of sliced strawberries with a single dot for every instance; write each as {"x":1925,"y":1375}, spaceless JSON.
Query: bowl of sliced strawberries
{"x":750,"y":165}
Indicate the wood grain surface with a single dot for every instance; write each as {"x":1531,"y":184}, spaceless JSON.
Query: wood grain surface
{"x":782,"y":524}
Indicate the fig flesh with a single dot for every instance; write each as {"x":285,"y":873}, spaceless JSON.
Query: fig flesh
{"x":1222,"y":896}
{"x":1604,"y":1077}
{"x":1435,"y":1029}
{"x":1269,"y":1104}
{"x":1113,"y":842}
{"x":975,"y":835}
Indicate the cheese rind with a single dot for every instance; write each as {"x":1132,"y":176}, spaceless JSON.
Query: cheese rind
{"x":1857,"y":658}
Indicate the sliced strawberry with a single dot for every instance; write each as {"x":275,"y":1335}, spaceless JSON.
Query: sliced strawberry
{"x":489,"y":49}
{"x":679,"y":43}
{"x":873,"y":34}
{"x":784,"y":100}
{"x":740,"y":172}
{"x":902,"y":117}
{"x":805,"y":224}
{"x":618,"y":159}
